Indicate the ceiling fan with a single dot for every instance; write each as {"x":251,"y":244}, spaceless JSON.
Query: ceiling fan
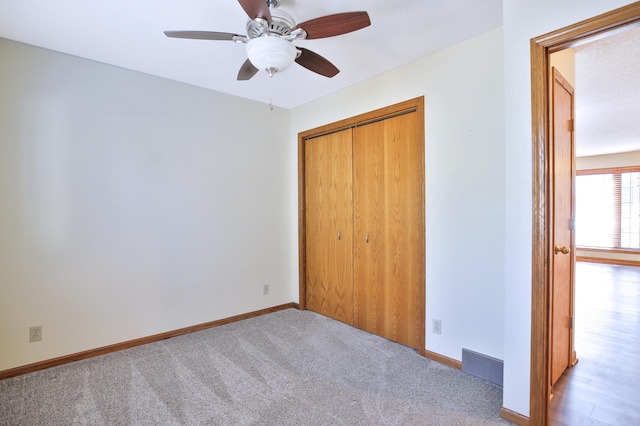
{"x":270,"y":33}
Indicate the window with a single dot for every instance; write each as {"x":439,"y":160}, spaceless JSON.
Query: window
{"x":608,"y":208}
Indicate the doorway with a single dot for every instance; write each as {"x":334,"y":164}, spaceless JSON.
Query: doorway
{"x":600,"y":68}
{"x":541,"y":49}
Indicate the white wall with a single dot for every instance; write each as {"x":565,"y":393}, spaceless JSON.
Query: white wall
{"x":524,"y":20}
{"x":565,"y":62}
{"x":132,"y":205}
{"x":609,"y":161}
{"x":464,"y":146}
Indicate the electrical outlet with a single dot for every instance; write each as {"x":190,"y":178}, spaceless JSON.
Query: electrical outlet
{"x":437,"y":326}
{"x":265,"y":289}
{"x":35,"y":333}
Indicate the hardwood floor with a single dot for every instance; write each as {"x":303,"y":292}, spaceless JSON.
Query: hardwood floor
{"x":604,"y":387}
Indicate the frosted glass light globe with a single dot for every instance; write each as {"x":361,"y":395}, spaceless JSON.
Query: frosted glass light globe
{"x":271,"y":54}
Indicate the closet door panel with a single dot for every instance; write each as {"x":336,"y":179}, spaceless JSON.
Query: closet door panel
{"x":369,"y":233}
{"x":389,"y":206}
{"x":404,"y":224}
{"x":329,"y":225}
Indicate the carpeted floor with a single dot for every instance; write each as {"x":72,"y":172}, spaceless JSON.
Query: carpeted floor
{"x":286,"y":368}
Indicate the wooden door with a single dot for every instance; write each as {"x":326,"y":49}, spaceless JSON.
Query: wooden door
{"x":388,"y":164}
{"x":562,"y":256}
{"x":329,"y":225}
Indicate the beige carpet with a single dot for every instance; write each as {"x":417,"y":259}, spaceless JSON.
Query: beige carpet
{"x":287,"y":368}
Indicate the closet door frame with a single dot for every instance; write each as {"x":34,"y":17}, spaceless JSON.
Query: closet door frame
{"x":415,"y":105}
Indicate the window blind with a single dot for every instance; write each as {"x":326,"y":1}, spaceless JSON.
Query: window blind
{"x":608,"y":209}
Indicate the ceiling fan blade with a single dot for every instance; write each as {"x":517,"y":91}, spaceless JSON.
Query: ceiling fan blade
{"x":202,"y":35}
{"x":333,"y":25}
{"x":256,"y":9}
{"x":247,"y":70}
{"x":316,"y":63}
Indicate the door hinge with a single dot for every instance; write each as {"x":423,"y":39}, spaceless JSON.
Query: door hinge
{"x":571,"y":323}
{"x":571,"y":124}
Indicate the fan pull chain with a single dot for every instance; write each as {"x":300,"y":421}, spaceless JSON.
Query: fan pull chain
{"x":271,"y":93}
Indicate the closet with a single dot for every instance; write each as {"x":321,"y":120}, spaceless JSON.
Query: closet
{"x":362,"y":222}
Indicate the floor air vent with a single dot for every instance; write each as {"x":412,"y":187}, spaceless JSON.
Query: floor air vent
{"x":482,"y":366}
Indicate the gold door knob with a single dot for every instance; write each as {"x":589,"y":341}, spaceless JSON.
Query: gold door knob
{"x":561,"y":249}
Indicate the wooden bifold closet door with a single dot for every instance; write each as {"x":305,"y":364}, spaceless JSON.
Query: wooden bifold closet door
{"x":388,"y":214}
{"x":364,"y":225}
{"x":329,"y":218}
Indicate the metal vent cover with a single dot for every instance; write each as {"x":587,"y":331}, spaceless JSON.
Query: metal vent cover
{"x":483,"y":366}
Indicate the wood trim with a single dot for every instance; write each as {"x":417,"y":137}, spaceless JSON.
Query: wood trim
{"x":415,"y":104}
{"x":302,"y":226}
{"x":590,"y":29}
{"x":441,"y":359}
{"x":541,"y":47}
{"x":66,"y":359}
{"x":376,"y":115}
{"x":608,"y":250}
{"x":608,"y":261}
{"x":608,"y":170}
{"x":514,"y":417}
{"x":539,"y":371}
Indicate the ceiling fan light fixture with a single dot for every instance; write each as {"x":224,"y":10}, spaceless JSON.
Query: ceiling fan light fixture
{"x":271,"y":53}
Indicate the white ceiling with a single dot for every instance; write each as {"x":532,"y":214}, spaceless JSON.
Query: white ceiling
{"x":129,"y":34}
{"x":607,"y":94}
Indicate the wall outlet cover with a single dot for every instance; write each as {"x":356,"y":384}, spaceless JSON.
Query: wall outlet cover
{"x":437,"y":326}
{"x":35,"y":333}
